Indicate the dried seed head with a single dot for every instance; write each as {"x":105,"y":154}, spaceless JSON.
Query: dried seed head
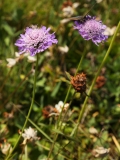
{"x":79,"y":82}
{"x":100,"y":81}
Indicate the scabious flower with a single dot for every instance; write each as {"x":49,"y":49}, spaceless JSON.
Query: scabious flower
{"x":89,"y":28}
{"x":35,"y":40}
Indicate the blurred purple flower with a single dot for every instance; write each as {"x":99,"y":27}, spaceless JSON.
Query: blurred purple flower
{"x":89,"y":28}
{"x":35,"y":40}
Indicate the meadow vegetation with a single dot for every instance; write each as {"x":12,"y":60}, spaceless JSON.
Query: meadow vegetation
{"x":43,"y":114}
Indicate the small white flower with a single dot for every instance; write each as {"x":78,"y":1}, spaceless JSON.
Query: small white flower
{"x":17,"y":54}
{"x":98,"y":1}
{"x":29,"y":134}
{"x":100,"y":151}
{"x":65,"y":20}
{"x":11,"y":62}
{"x":6,"y":148}
{"x":69,"y":10}
{"x":60,"y":105}
{"x":93,"y":130}
{"x":31,"y":59}
{"x":75,"y":5}
{"x":110,"y":31}
{"x":64,"y":49}
{"x":48,"y":54}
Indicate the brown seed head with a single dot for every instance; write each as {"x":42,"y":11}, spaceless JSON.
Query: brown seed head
{"x":79,"y":82}
{"x":100,"y":81}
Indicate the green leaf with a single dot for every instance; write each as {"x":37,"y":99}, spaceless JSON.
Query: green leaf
{"x":8,"y":29}
{"x":68,"y":75}
{"x":56,"y":89}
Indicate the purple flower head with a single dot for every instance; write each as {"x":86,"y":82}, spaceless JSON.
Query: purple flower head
{"x":89,"y":28}
{"x":35,"y":40}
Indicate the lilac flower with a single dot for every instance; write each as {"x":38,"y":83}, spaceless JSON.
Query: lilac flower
{"x":35,"y":40}
{"x":89,"y":28}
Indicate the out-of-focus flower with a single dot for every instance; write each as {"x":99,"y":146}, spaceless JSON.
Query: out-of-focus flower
{"x":49,"y":111}
{"x":68,"y":8}
{"x":64,"y":49}
{"x":93,"y":130}
{"x":6,"y":148}
{"x":11,"y":62}
{"x":61,"y":106}
{"x":8,"y":115}
{"x":48,"y":54}
{"x":91,"y":29}
{"x":17,"y":54}
{"x":35,"y":40}
{"x":31,"y":59}
{"x":68,"y":11}
{"x":29,"y":135}
{"x":100,"y":151}
{"x":98,"y":1}
{"x":65,"y":20}
{"x":100,"y":81}
{"x":109,"y":31}
{"x":21,"y":56}
{"x":79,"y":82}
{"x":75,"y":5}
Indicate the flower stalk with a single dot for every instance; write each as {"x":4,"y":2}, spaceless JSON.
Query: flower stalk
{"x":30,"y":109}
{"x":66,"y":98}
{"x":94,"y":80}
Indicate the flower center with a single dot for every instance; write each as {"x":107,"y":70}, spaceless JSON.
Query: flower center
{"x":34,"y":34}
{"x":36,"y":37}
{"x":92,"y":27}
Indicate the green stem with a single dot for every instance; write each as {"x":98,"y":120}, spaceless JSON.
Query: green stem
{"x":83,"y":55}
{"x":30,"y":109}
{"x":26,"y":153}
{"x":69,"y":89}
{"x":94,"y":80}
{"x":66,"y":98}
